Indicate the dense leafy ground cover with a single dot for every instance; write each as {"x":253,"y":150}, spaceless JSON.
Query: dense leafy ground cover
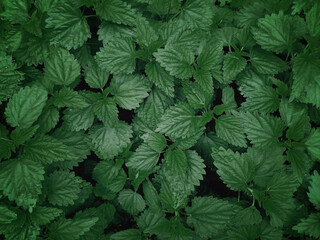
{"x":159,"y":119}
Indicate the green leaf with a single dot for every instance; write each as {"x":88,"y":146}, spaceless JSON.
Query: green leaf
{"x":208,"y":215}
{"x":116,"y":11}
{"x":176,"y":161}
{"x":151,"y":196}
{"x":197,"y":98}
{"x":46,"y":149}
{"x":129,"y":90}
{"x":305,"y":70}
{"x":233,"y":64}
{"x":210,"y":56}
{"x":309,"y":226}
{"x":66,"y":97}
{"x":95,"y":76}
{"x":177,"y":61}
{"x":61,"y":68}
{"x":266,"y":62}
{"x":234,"y":169}
{"x":160,"y":77}
{"x":21,"y":135}
{"x":68,"y":27}
{"x":129,"y":234}
{"x":106,"y":171}
{"x":9,"y":77}
{"x":145,"y":34}
{"x":79,"y":118}
{"x":195,"y":168}
{"x":118,"y":56}
{"x":229,"y":128}
{"x":149,"y":113}
{"x":110,"y":140}
{"x":16,"y":11}
{"x":70,"y":229}
{"x":313,"y":143}
{"x":48,"y":119}
{"x":313,"y":20}
{"x":143,"y":159}
{"x":106,"y":110}
{"x":204,"y":79}
{"x":25,"y":107}
{"x":247,"y":216}
{"x":259,"y":93}
{"x":44,"y":215}
{"x":20,"y":180}
{"x":262,"y":130}
{"x":179,"y":122}
{"x":197,"y":14}
{"x":63,"y":188}
{"x":131,"y":201}
{"x":299,"y":163}
{"x":149,"y":220}
{"x":6,"y":216}
{"x":275,"y":33}
{"x":314,"y":190}
{"x":156,"y":141}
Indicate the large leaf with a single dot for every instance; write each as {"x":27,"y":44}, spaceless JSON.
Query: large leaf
{"x":313,"y":143}
{"x":234,"y":170}
{"x":67,"y":25}
{"x":310,"y":226}
{"x":177,"y":61}
{"x":25,"y":107}
{"x":314,"y":190}
{"x":129,"y":90}
{"x":20,"y":180}
{"x":118,"y":56}
{"x":209,"y":215}
{"x":179,"y":122}
{"x":131,"y":201}
{"x":110,"y":140}
{"x":61,"y":68}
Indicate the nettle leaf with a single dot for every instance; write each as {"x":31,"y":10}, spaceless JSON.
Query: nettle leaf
{"x":177,"y":61}
{"x":313,"y":143}
{"x":234,"y":169}
{"x":131,"y":201}
{"x":176,"y":161}
{"x":266,"y":62}
{"x":195,"y":167}
{"x":197,"y":14}
{"x":44,"y":215}
{"x":262,"y":130}
{"x":160,"y":77}
{"x":309,"y":226}
{"x":106,"y":110}
{"x":15,"y":11}
{"x":48,"y":119}
{"x":129,"y":90}
{"x":143,"y":159}
{"x":118,"y":56}
{"x":275,"y":32}
{"x":179,"y":122}
{"x":21,"y":135}
{"x":7,"y":216}
{"x":145,"y":34}
{"x":46,"y":149}
{"x":70,"y":229}
{"x":66,"y":97}
{"x":229,"y":128}
{"x":95,"y":76}
{"x":233,"y":64}
{"x":129,"y":234}
{"x":20,"y":180}
{"x":312,"y":20}
{"x":25,"y":107}
{"x":110,"y":140}
{"x":116,"y":11}
{"x":197,"y":97}
{"x":63,"y":188}
{"x":9,"y":77}
{"x":314,"y":190}
{"x":62,"y":68}
{"x":209,"y":215}
{"x":68,"y":27}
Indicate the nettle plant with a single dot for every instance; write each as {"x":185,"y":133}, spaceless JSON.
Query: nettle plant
{"x":159,"y":119}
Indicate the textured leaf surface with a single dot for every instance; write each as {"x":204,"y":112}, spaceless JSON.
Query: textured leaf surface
{"x":25,"y":107}
{"x":132,"y":202}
